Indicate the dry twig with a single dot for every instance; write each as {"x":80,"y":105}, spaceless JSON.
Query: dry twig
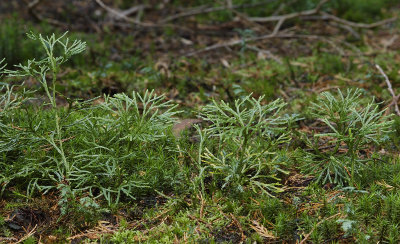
{"x":319,"y":223}
{"x":323,"y":15}
{"x":282,"y":18}
{"x":102,"y":228}
{"x":31,"y":10}
{"x":245,"y":40}
{"x":262,"y":231}
{"x":208,"y":225}
{"x":395,"y":98}
{"x":202,"y":206}
{"x":29,"y":234}
{"x":267,"y":53}
{"x":134,"y":9}
{"x":354,"y":24}
{"x":275,"y":33}
{"x":122,"y":15}
{"x":33,"y":4}
{"x":237,"y":223}
{"x":206,"y":9}
{"x":7,"y":239}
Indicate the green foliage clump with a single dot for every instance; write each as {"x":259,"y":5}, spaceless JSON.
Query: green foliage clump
{"x":83,"y":152}
{"x":130,"y":139}
{"x":243,"y":141}
{"x":329,"y":64}
{"x":96,"y":155}
{"x":350,"y":127}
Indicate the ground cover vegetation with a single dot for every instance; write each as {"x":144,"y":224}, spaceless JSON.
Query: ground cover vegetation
{"x":199,"y":121}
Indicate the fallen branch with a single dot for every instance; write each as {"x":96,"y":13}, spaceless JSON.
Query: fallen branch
{"x":245,"y":40}
{"x":206,"y":9}
{"x":28,"y":234}
{"x":134,"y":9}
{"x":323,"y":16}
{"x":8,"y":239}
{"x":348,"y":28}
{"x":262,"y":231}
{"x":395,"y":98}
{"x":237,"y":223}
{"x":275,"y":33}
{"x":282,"y":18}
{"x":102,"y":228}
{"x":267,"y":53}
{"x":122,"y":15}
{"x":354,"y":24}
{"x":31,"y":10}
{"x":33,"y":4}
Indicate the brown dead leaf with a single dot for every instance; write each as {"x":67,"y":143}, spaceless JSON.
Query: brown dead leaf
{"x":163,"y":68}
{"x":183,"y":125}
{"x":225,"y":63}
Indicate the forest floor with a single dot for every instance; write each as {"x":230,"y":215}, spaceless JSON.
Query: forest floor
{"x":320,"y":165}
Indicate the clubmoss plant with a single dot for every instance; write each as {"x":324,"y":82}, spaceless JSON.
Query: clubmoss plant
{"x":350,"y":128}
{"x":51,"y":63}
{"x":243,"y":141}
{"x":112,"y":151}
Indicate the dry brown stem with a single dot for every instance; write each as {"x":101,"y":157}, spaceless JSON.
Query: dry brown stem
{"x":319,"y":223}
{"x":291,"y":15}
{"x":28,"y":234}
{"x":280,"y":19}
{"x":395,"y":98}
{"x":246,"y":40}
{"x":327,"y":16}
{"x":206,"y":9}
{"x":122,"y":15}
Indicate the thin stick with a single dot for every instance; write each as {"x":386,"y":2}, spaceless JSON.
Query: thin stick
{"x":33,"y":4}
{"x":323,"y":16}
{"x":291,"y":15}
{"x":31,"y":10}
{"x":354,"y":24}
{"x":237,"y":223}
{"x":27,"y":235}
{"x":266,"y":52}
{"x":7,"y":239}
{"x":121,"y":15}
{"x":252,"y":39}
{"x":395,"y":98}
{"x":312,"y":230}
{"x":205,"y":9}
{"x":275,"y":33}
{"x":134,"y":9}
